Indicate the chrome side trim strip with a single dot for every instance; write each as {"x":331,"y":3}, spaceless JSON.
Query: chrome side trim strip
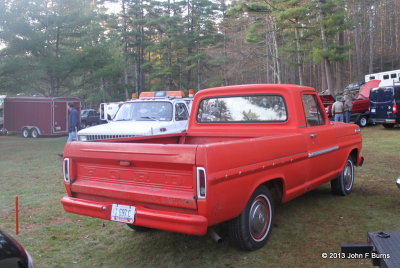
{"x":325,"y":151}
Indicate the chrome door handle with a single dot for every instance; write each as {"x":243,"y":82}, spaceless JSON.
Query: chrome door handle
{"x":313,"y":136}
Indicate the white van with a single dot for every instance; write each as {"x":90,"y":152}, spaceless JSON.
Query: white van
{"x":148,"y":115}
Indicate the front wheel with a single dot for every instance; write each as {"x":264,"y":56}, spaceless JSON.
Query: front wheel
{"x":252,"y":228}
{"x":343,"y":185}
{"x":83,"y":124}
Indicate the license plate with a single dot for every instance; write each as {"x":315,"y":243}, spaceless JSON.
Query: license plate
{"x":123,"y":213}
{"x":373,"y":110}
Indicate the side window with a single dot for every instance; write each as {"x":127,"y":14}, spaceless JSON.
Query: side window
{"x":181,"y":112}
{"x":386,"y":76}
{"x":393,"y":76}
{"x":312,"y":111}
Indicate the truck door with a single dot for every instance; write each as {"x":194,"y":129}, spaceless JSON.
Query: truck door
{"x":60,"y":117}
{"x":181,"y":116}
{"x":320,"y":137}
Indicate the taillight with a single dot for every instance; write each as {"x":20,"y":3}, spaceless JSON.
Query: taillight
{"x":66,"y":170}
{"x":395,"y":109}
{"x":201,"y":183}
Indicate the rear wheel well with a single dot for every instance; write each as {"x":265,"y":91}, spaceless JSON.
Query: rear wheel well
{"x":275,"y":187}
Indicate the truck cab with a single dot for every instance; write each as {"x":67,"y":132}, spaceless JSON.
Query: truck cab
{"x":151,"y":114}
{"x":384,"y":105}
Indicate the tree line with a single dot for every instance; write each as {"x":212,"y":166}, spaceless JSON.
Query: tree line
{"x":80,"y":48}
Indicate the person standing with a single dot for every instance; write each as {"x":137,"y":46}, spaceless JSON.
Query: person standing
{"x":73,"y":122}
{"x":337,"y":109}
{"x":347,"y":107}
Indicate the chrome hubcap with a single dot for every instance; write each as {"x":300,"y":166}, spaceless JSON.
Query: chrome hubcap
{"x":348,"y":175}
{"x":259,"y":218}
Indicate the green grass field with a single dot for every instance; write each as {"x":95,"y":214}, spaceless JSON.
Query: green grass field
{"x":304,"y":228}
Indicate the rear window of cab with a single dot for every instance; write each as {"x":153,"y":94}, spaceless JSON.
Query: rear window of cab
{"x":243,"y":109}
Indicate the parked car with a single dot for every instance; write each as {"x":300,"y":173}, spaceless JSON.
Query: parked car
{"x":398,"y":182}
{"x":385,"y":104}
{"x":245,"y":148}
{"x":89,"y":117}
{"x":12,"y":253}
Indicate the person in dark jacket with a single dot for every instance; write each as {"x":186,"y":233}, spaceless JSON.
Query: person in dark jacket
{"x":73,"y":122}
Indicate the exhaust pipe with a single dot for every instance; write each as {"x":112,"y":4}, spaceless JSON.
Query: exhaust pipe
{"x":214,"y":236}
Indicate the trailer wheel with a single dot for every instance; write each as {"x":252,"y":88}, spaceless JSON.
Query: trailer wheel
{"x":26,"y":133}
{"x":251,"y":229}
{"x":137,"y":228}
{"x":362,"y":121}
{"x":34,"y":133}
{"x":343,"y":185}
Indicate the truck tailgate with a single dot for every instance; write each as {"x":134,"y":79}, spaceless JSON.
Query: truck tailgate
{"x":145,"y":174}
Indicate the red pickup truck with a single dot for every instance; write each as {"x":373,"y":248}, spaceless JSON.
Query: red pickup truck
{"x":246,"y":147}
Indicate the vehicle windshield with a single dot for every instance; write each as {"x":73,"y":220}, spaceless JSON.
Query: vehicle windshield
{"x":85,"y":113}
{"x":145,"y":111}
{"x":381,"y":94}
{"x":258,"y":108}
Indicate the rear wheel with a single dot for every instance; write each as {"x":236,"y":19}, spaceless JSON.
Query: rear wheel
{"x":388,"y":125}
{"x":343,"y":185}
{"x":25,"y":132}
{"x":363,"y":121}
{"x":34,"y":133}
{"x":138,"y":228}
{"x":251,"y":229}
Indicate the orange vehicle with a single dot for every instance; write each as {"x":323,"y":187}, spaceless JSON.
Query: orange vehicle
{"x":246,"y":148}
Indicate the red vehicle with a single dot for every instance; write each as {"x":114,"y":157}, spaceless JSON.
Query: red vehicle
{"x":360,"y":111}
{"x":35,"y":116}
{"x":246,"y":147}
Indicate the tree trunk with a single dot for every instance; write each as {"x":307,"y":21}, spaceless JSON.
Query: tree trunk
{"x":298,"y":56}
{"x":371,"y":39}
{"x":325,"y":47}
{"x":126,"y":57}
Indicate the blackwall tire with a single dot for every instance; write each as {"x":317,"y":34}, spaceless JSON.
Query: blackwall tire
{"x":26,"y":133}
{"x":34,"y":133}
{"x":343,"y":185}
{"x":137,"y":228}
{"x":83,"y":124}
{"x":252,"y":228}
